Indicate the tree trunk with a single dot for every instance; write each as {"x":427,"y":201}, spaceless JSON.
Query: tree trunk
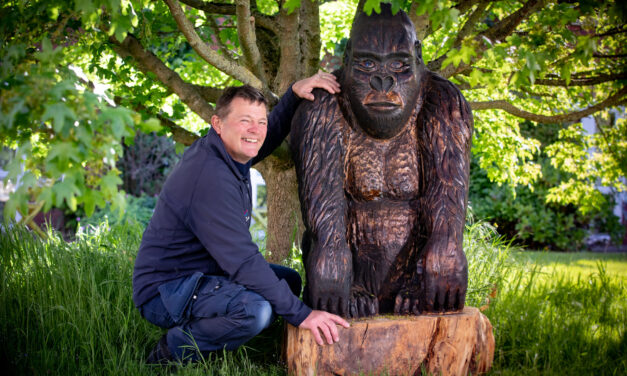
{"x":284,"y":220}
{"x":446,"y":344}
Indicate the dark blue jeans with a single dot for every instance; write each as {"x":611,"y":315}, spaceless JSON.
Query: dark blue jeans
{"x":209,"y":313}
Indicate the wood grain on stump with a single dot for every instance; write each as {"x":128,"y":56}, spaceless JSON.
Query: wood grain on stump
{"x":446,"y":344}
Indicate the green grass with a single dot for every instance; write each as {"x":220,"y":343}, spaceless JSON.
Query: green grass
{"x":584,"y":263}
{"x":66,"y":308}
{"x":562,"y":314}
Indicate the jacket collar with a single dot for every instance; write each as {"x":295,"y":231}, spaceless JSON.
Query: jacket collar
{"x":213,"y":139}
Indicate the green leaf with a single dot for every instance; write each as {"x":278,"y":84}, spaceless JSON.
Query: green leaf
{"x":118,"y":203}
{"x":58,"y":112}
{"x":61,"y":153}
{"x":109,"y":184}
{"x":92,"y":198}
{"x":179,"y":148}
{"x":371,"y":5}
{"x":119,"y":118}
{"x":474,"y":78}
{"x":565,"y":72}
{"x":290,"y":5}
{"x":66,"y":191}
{"x":150,"y":125}
{"x":467,"y":52}
{"x":46,"y":195}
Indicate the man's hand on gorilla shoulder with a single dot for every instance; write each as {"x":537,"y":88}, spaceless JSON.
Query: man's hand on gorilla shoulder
{"x":304,"y":88}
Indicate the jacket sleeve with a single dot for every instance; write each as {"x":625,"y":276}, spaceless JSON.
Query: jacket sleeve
{"x":279,"y":124}
{"x":217,"y":217}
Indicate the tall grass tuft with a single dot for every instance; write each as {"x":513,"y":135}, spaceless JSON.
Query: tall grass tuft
{"x":66,"y":308}
{"x":488,"y":255}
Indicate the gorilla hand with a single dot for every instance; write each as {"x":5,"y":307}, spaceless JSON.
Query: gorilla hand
{"x":408,"y":298}
{"x":363,"y":303}
{"x":328,"y":280}
{"x":445,"y":277}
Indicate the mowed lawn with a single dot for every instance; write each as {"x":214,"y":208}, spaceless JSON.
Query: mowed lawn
{"x":574,"y":264}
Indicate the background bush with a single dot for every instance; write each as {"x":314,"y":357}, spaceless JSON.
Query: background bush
{"x":523,"y":213}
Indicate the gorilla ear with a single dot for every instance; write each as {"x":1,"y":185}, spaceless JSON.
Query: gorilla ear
{"x":347,"y":53}
{"x":418,"y":48}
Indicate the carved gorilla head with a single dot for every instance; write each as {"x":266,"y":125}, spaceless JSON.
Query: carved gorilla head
{"x":382,"y":70}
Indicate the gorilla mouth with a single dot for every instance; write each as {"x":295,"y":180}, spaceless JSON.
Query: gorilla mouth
{"x":387,"y":102}
{"x":383,"y":106}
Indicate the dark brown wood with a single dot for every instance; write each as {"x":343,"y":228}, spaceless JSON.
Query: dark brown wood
{"x":383,"y":179}
{"x":444,"y":344}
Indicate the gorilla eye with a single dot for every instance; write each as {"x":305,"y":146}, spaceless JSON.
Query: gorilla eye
{"x":367,"y":65}
{"x":397,"y":66}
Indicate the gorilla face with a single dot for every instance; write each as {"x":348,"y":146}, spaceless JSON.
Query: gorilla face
{"x":382,"y":71}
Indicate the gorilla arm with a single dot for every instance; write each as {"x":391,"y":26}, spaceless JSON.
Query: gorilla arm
{"x":319,"y":157}
{"x":444,"y":137}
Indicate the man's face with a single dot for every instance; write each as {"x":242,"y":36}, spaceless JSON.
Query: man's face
{"x":243,"y":130}
{"x":382,"y":75}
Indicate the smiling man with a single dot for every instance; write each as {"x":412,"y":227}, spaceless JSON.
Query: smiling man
{"x":198,"y":273}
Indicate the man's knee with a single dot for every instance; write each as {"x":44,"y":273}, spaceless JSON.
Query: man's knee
{"x":252,"y":311}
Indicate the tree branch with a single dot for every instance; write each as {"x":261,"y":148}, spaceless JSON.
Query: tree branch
{"x":614,"y":100}
{"x":179,"y":134}
{"x":210,"y":94}
{"x":290,"y":53}
{"x":248,"y":40}
{"x":224,"y":64}
{"x":311,"y":42}
{"x":216,"y":30}
{"x":583,"y":81}
{"x":471,"y":22}
{"x":499,"y":31}
{"x":261,"y":19}
{"x":603,"y":56}
{"x":464,"y":5}
{"x":421,"y":23}
{"x":147,"y":62}
{"x":612,"y":31}
{"x":507,"y":25}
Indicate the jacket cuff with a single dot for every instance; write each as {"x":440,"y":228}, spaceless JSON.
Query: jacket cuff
{"x":298,"y":318}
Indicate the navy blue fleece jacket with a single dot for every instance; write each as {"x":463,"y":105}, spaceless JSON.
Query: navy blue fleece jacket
{"x":202,"y":218}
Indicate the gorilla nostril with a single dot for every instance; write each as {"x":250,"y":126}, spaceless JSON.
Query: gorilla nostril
{"x":376,"y":83}
{"x":387,"y":84}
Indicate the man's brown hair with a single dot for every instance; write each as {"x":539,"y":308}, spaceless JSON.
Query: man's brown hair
{"x":223,"y":105}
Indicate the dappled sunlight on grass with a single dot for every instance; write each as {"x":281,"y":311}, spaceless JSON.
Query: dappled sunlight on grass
{"x":573,"y":264}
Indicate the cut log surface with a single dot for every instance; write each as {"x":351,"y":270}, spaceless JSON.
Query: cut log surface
{"x":444,"y":344}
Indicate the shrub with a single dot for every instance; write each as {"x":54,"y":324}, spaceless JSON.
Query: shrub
{"x":138,"y":210}
{"x":523,"y":214}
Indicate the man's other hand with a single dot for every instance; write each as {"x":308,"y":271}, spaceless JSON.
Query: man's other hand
{"x":325,"y":322}
{"x":322,"y":80}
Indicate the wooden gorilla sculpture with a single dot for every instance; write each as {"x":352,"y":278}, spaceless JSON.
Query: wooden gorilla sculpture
{"x":383,"y":179}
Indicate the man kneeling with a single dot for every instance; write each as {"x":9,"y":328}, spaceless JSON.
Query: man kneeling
{"x":198,"y":273}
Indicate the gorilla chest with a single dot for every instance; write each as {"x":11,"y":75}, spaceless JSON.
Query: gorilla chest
{"x":385,"y":169}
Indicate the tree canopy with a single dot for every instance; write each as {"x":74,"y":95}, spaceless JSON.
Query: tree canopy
{"x":80,"y":77}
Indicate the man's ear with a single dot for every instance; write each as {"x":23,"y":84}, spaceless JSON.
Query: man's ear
{"x":216,"y":124}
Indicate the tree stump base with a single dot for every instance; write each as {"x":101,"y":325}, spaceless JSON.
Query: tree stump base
{"x":442,"y":344}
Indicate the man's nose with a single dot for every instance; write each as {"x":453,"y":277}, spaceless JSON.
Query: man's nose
{"x":255,"y":127}
{"x":382,"y":83}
